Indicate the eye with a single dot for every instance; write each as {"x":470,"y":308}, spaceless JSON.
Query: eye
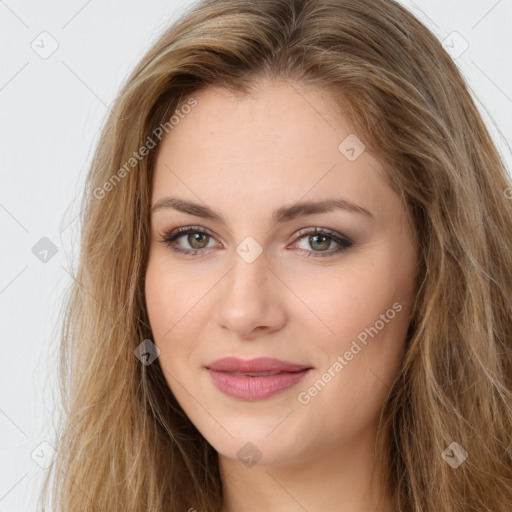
{"x":198,"y":239}
{"x":196,"y":236}
{"x":320,"y":239}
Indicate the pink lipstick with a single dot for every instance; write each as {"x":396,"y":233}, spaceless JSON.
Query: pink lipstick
{"x":255,"y":379}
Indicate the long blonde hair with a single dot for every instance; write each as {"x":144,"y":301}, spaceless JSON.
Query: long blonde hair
{"x":125,"y":443}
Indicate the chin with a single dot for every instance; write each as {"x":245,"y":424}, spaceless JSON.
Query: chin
{"x":263,"y":452}
{"x":267,"y":442}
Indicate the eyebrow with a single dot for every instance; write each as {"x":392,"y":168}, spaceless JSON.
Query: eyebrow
{"x":283,"y":214}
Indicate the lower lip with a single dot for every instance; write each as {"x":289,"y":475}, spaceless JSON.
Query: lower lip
{"x":245,"y":387}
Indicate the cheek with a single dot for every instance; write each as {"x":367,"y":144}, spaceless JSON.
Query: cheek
{"x":159,"y":303}
{"x":176,"y":303}
{"x":172,"y":297}
{"x":357,"y":369}
{"x":368,"y":343}
{"x":350,"y":299}
{"x":167,"y":301}
{"x":367,"y":311}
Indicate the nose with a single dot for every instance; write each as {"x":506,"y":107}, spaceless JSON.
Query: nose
{"x":250,"y":298}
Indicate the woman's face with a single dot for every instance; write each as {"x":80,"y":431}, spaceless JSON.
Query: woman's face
{"x":257,"y":282}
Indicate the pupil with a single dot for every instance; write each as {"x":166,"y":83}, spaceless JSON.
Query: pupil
{"x":324,"y":239}
{"x":196,"y":237}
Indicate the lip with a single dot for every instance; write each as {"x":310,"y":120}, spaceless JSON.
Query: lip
{"x":230,"y":376}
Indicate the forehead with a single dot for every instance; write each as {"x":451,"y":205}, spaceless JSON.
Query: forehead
{"x":275,"y":145}
{"x":262,"y":122}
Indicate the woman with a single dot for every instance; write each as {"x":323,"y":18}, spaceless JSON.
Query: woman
{"x":295,"y":279}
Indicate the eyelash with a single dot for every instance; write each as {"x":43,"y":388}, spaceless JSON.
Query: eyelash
{"x":170,"y":237}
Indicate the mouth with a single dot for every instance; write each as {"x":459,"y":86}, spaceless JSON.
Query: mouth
{"x":255,"y":379}
{"x":254,"y":374}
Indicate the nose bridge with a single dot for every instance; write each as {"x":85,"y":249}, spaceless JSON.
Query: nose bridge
{"x":246,"y":301}
{"x":250,"y":265}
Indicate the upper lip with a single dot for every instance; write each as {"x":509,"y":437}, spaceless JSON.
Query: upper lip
{"x":259,"y":364}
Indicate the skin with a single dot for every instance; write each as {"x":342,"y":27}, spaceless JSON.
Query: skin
{"x":244,"y":158}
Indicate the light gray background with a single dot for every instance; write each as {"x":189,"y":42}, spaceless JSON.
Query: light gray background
{"x":51,"y":112}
